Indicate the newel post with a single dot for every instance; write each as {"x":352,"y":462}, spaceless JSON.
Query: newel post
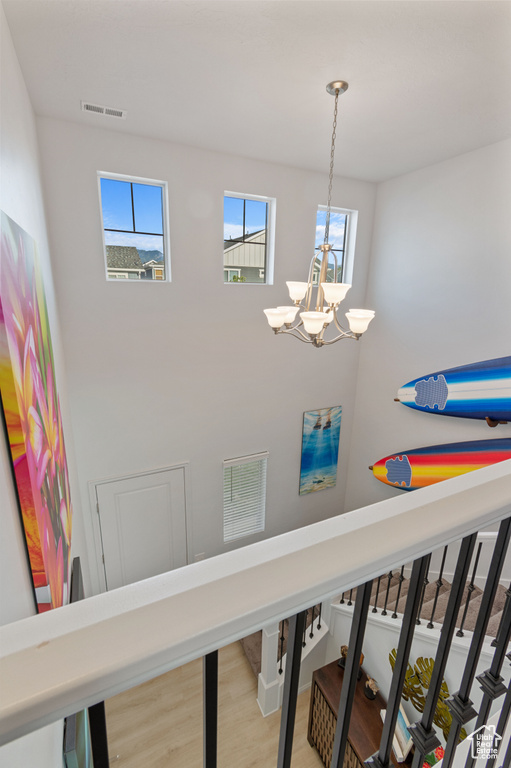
{"x":269,"y":680}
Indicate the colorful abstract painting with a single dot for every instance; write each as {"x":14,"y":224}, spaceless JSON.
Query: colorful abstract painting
{"x":32,"y":417}
{"x":320,"y":449}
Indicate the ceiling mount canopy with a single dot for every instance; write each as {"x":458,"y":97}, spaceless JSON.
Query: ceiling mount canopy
{"x":317,"y":317}
{"x":337,"y":87}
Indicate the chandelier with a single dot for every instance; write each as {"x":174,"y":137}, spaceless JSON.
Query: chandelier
{"x":319,"y":317}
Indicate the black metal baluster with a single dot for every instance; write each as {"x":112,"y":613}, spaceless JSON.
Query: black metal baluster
{"x":426,"y":582}
{"x":492,"y":682}
{"x":507,"y":758}
{"x":341,"y":601}
{"x":460,"y":705}
{"x":357,"y":632}
{"x":401,"y":579}
{"x":381,"y":758}
{"x":375,"y":609}
{"x":508,"y":595}
{"x":304,"y":634}
{"x":281,"y":643}
{"x":504,"y":716}
{"x":311,"y":633}
{"x":319,"y":616}
{"x":210,"y":716}
{"x":350,"y":600}
{"x":423,"y":734}
{"x":98,"y":734}
{"x":470,"y":589}
{"x":439,"y":585}
{"x":287,"y":718}
{"x":389,"y":579}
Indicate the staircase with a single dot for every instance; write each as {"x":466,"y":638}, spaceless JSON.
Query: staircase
{"x":252,"y":644}
{"x":389,"y":593}
{"x":322,"y":638}
{"x":91,"y":650}
{"x":388,"y":600}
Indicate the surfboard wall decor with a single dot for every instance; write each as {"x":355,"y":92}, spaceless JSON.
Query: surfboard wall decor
{"x":477,"y":391}
{"x":414,"y":469}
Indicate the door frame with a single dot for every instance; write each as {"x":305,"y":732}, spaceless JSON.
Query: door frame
{"x":96,"y":524}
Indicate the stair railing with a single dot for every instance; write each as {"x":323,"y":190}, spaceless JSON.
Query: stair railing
{"x":390,"y":576}
{"x":439,"y":582}
{"x":499,"y":630}
{"x":310,"y":620}
{"x":63,"y":660}
{"x":470,"y":589}
{"x":401,"y":579}
{"x":423,"y":591}
{"x":439,"y":585}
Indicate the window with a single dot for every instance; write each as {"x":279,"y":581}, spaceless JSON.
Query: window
{"x":244,"y":495}
{"x":248,"y":238}
{"x":134,"y":217}
{"x":338,"y":229}
{"x":232,"y":276}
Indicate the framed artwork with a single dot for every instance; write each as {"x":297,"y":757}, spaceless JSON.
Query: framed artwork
{"x":402,"y":741}
{"x":320,"y":449}
{"x":32,"y":418}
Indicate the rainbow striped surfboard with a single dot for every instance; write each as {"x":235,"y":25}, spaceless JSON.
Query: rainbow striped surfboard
{"x":477,"y":391}
{"x":410,"y":470}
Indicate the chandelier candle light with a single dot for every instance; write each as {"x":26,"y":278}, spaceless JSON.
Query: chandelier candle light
{"x":316,"y":319}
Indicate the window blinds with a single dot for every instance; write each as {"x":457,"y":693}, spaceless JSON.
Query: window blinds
{"x":244,"y":495}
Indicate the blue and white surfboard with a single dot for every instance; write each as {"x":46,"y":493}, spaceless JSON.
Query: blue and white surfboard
{"x":477,"y":391}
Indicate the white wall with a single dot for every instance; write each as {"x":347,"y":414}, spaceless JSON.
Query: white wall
{"x":162,"y":373}
{"x":440,"y":280}
{"x":21,"y":198}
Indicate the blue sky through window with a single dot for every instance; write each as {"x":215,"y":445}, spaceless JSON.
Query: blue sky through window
{"x":142,"y":242}
{"x":233,"y":217}
{"x":336,"y":230}
{"x":255,"y":217}
{"x":116,"y":204}
{"x":148,"y":208}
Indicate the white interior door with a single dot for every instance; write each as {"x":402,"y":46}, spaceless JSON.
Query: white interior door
{"x":143,"y":525}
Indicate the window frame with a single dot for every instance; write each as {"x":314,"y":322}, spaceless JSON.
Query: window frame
{"x":350,"y":234}
{"x":270,"y":233}
{"x":165,"y":220}
{"x":230,"y":271}
{"x":233,"y":529}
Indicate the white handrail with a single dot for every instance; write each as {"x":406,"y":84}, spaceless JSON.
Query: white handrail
{"x":58,"y":662}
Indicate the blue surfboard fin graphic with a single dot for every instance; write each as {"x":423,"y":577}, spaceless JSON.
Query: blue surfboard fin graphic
{"x":431,"y":393}
{"x":399,"y":471}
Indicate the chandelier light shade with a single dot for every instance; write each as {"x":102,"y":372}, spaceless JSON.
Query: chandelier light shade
{"x":317,"y":301}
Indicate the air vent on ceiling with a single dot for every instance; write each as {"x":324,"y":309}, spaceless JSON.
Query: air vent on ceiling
{"x":98,"y":109}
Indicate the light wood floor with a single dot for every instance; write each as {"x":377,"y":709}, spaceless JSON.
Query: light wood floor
{"x":159,"y":724}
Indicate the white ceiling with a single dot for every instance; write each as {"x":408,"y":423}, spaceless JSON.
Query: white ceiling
{"x":429,"y":79}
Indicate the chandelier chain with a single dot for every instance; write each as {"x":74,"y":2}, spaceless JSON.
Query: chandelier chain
{"x":316,"y":303}
{"x":331,"y":176}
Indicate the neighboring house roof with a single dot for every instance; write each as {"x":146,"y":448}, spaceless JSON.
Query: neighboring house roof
{"x":236,"y":243}
{"x":122,"y":257}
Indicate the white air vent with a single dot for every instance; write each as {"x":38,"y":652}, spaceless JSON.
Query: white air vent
{"x":98,"y":109}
